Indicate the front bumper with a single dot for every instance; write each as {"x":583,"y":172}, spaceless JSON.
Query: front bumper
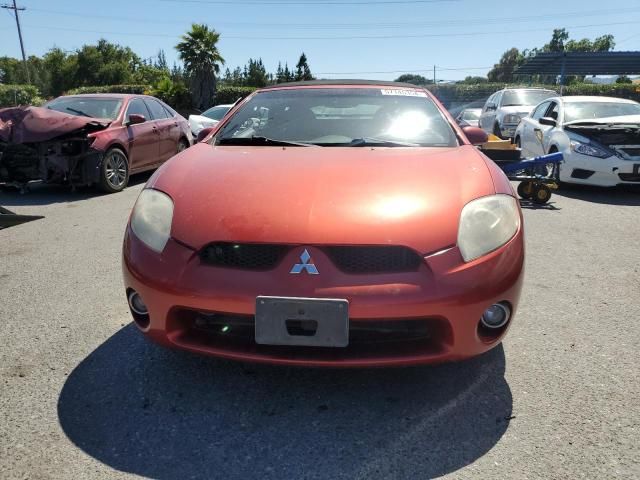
{"x":601,"y":172}
{"x":508,"y":131}
{"x":447,"y":295}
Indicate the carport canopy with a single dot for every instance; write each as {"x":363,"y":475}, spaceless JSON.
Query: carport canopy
{"x":582,"y":63}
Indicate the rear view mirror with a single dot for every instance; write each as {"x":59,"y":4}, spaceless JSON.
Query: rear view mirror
{"x":475,"y":135}
{"x":547,"y":121}
{"x":136,"y":118}
{"x":204,"y":133}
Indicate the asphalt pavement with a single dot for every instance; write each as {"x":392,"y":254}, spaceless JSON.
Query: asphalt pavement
{"x":83,"y":395}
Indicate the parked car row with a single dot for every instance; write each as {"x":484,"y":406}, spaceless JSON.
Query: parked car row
{"x":599,"y":137}
{"x":93,"y":139}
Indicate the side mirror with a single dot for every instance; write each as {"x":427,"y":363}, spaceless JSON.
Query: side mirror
{"x":136,"y":118}
{"x":491,"y":107}
{"x":204,"y":133}
{"x":547,"y":121}
{"x":475,"y":135}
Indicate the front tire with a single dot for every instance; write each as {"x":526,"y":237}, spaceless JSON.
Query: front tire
{"x":114,"y":171}
{"x":496,"y":130}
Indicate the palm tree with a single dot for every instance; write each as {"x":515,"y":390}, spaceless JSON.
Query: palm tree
{"x":202,"y":62}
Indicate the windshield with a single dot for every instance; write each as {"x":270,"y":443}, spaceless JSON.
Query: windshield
{"x":339,"y":117}
{"x":215,"y":113}
{"x":87,"y":107}
{"x":471,"y":114}
{"x":591,"y":110}
{"x":517,"y":98}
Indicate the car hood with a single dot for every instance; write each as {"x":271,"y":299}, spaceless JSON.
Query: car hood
{"x":202,"y":120}
{"x":299,"y":195}
{"x":36,"y":124}
{"x":599,"y":122}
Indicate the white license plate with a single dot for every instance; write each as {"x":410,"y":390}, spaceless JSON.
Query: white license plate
{"x":309,"y":322}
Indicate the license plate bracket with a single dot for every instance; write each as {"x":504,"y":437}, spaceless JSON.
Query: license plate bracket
{"x":309,"y":322}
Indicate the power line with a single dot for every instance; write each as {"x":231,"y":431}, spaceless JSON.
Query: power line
{"x":364,"y":25}
{"x":306,"y":3}
{"x":15,"y":9}
{"x":349,"y":37}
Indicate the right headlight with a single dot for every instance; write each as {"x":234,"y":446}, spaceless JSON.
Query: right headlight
{"x":151,"y":218}
{"x":486,"y":224}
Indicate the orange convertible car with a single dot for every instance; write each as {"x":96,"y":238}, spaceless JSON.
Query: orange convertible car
{"x":328,"y":224}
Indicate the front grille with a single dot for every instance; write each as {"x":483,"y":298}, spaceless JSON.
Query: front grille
{"x":382,"y":259}
{"x":631,"y":151}
{"x":349,"y":259}
{"x":247,"y":256}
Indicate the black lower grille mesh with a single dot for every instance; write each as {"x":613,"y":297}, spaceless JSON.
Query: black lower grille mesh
{"x":382,"y":259}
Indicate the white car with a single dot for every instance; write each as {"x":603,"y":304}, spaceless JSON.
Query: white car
{"x":503,"y":110}
{"x":599,"y":138}
{"x":208,"y":118}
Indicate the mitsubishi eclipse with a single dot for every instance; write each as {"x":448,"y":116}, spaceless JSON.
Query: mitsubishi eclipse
{"x":340,"y":223}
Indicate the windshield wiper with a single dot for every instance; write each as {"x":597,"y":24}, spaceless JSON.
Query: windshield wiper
{"x":379,"y":142}
{"x":259,"y":140}
{"x":79,"y":112}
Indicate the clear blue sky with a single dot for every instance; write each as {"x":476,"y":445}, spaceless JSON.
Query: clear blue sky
{"x":465,"y":36}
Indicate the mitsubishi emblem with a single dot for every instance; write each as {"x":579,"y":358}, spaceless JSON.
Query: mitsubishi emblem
{"x":305,"y":265}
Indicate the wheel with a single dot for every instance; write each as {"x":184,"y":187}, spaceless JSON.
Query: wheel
{"x":114,"y":172}
{"x":541,"y":194}
{"x":182,"y":145}
{"x":496,"y":131}
{"x":518,"y":142}
{"x":525,"y":190}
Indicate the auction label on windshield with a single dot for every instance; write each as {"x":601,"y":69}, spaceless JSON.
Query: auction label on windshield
{"x":403,"y":93}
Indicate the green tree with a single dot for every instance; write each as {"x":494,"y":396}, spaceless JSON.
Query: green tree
{"x":199,"y":52}
{"x":503,"y":70}
{"x":303,"y":72}
{"x":255,"y":75}
{"x":474,"y":80}
{"x":413,"y":79}
{"x":623,"y":79}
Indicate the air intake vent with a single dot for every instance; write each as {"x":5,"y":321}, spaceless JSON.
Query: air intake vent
{"x":383,"y":259}
{"x":247,"y":256}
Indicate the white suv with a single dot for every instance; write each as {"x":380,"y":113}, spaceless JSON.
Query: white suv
{"x":504,"y":109}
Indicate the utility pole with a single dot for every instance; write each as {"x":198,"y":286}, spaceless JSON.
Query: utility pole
{"x":434,"y":74}
{"x":15,"y":9}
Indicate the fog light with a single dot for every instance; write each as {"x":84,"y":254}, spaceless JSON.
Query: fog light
{"x":136,"y":303}
{"x":496,"y":316}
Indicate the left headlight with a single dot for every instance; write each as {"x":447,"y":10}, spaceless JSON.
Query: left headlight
{"x":151,"y":218}
{"x":591,"y":150}
{"x":486,"y":224}
{"x":511,"y":119}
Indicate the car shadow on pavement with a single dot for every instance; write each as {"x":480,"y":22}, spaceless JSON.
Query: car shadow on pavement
{"x":620,"y":195}
{"x":170,"y":415}
{"x":530,"y":205}
{"x":40,"y":194}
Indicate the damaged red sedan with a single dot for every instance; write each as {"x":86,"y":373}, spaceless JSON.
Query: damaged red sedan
{"x":345,"y":224}
{"x":97,"y":139}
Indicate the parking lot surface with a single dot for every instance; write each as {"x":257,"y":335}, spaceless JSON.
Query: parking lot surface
{"x":83,"y":395}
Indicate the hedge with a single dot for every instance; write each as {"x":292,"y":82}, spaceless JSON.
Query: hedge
{"x":229,"y":94}
{"x":16,"y":95}
{"x":136,"y":89}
